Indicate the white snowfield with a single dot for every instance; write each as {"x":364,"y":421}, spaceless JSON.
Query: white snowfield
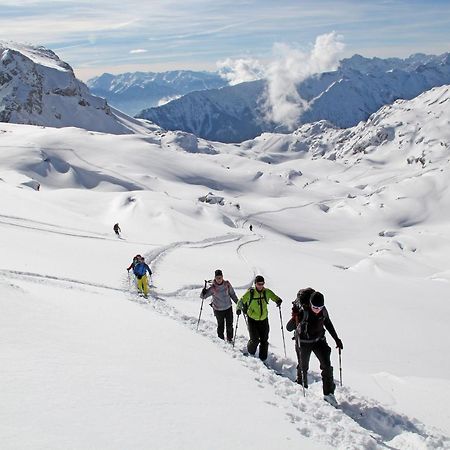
{"x":361,"y":215}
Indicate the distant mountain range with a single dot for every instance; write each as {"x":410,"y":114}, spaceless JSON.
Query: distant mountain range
{"x":133,"y":92}
{"x":343,"y":97}
{"x":37,"y":88}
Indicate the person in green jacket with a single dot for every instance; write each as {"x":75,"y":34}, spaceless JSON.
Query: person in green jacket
{"x":254,"y":304}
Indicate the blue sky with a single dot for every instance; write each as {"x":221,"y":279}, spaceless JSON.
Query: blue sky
{"x":115,"y":36}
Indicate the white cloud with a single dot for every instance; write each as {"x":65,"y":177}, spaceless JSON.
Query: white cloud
{"x":138,"y":50}
{"x":288,"y":68}
{"x":240,"y":70}
{"x":283,"y":72}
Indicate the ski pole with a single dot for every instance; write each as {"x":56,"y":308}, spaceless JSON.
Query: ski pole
{"x":235,"y":330}
{"x":282,"y":333}
{"x":340,"y":367}
{"x":201,"y":308}
{"x":300,"y":362}
{"x":129,"y":280}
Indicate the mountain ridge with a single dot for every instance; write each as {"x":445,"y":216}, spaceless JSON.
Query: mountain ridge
{"x":343,"y":97}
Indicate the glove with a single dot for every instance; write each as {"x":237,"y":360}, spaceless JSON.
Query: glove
{"x":245,"y":308}
{"x":238,"y":312}
{"x":203,"y":292}
{"x":279,"y":302}
{"x":128,"y":270}
{"x":339,"y":344}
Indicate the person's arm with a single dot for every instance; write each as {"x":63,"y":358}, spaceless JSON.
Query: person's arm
{"x":272,"y":296}
{"x":330,"y":328}
{"x":242,"y":304}
{"x":206,"y":292}
{"x":232,"y":294}
{"x":297,"y":319}
{"x":148,"y":269}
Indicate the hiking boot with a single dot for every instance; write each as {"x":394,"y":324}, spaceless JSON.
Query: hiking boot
{"x":331,"y":399}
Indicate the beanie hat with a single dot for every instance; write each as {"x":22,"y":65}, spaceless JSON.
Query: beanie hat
{"x":317,"y":299}
{"x":259,"y":279}
{"x":218,"y":273}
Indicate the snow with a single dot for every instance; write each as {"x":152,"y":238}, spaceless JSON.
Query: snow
{"x":86,"y":363}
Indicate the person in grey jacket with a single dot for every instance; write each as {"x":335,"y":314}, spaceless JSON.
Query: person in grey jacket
{"x":222,"y":293}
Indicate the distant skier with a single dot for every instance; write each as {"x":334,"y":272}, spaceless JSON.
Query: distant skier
{"x":222,"y":293}
{"x":117,"y":229}
{"x":251,"y":227}
{"x":309,"y":320}
{"x":254,"y":304}
{"x":140,"y":270}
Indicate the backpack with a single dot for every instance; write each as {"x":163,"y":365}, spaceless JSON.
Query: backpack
{"x":252,"y":295}
{"x":303,"y":326}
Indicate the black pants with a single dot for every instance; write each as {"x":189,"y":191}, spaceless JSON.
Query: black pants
{"x":259,"y":334}
{"x":225,"y":317}
{"x":323,"y":352}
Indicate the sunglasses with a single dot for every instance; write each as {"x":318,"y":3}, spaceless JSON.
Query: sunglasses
{"x":316,"y":308}
{"x":260,"y":283}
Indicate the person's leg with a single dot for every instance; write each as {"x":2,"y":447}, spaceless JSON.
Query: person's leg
{"x":253,"y":332}
{"x":229,"y":323}
{"x":139,"y":285}
{"x":303,"y":355}
{"x":144,"y":281}
{"x":220,"y":317}
{"x":263,"y":326}
{"x":323,"y":352}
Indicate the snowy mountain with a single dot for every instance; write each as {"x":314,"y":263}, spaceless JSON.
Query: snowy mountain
{"x":133,"y":92}
{"x":344,"y":97}
{"x":37,"y":88}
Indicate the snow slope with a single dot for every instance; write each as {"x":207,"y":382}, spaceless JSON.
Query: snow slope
{"x":86,"y":363}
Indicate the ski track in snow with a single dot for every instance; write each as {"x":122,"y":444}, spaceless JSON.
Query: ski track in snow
{"x":358,"y":423}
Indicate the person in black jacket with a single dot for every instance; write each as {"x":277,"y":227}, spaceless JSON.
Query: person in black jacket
{"x":309,"y":320}
{"x":117,"y":229}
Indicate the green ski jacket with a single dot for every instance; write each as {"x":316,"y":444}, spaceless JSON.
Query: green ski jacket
{"x":256,"y":307}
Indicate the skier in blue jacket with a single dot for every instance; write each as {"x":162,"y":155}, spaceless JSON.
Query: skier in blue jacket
{"x":140,"y":270}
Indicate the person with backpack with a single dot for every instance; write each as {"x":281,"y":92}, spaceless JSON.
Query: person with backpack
{"x":254,"y":304}
{"x":222,"y":293}
{"x":140,"y":271}
{"x":310,"y":319}
{"x":117,"y":229}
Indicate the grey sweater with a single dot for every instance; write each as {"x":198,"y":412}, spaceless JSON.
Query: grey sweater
{"x":222,"y":295}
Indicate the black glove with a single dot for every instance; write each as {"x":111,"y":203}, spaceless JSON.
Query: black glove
{"x":339,"y":344}
{"x":279,"y":302}
{"x":203,"y":292}
{"x":238,"y":312}
{"x":245,"y":308}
